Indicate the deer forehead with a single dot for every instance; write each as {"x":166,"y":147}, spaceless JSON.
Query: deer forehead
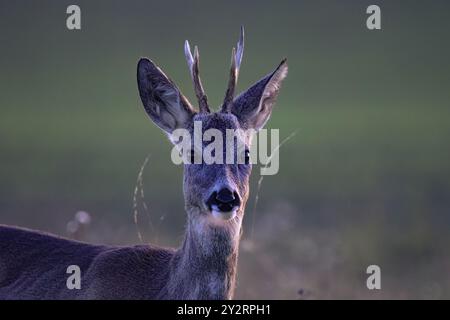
{"x":219,"y":121}
{"x":225,"y":124}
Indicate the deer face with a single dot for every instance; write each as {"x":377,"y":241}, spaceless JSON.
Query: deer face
{"x":215,"y":191}
{"x":219,"y":189}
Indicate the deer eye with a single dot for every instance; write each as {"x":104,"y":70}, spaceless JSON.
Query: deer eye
{"x":247,"y":156}
{"x":188,"y":156}
{"x":191,"y":155}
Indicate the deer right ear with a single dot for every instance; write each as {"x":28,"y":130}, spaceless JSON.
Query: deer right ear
{"x":254,"y":106}
{"x":162,"y":100}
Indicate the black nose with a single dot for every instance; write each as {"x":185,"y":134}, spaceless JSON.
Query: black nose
{"x":225,"y":196}
{"x":224,"y":200}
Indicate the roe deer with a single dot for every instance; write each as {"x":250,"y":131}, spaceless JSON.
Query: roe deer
{"x":33,"y":265}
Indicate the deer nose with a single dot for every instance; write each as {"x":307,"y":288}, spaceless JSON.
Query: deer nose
{"x":225,"y":196}
{"x":225,"y":200}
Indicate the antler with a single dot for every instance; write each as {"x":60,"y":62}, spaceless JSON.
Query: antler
{"x":193,"y":63}
{"x":236,"y":59}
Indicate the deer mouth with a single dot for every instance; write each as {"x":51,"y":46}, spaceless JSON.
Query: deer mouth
{"x":224,"y":204}
{"x":224,"y":214}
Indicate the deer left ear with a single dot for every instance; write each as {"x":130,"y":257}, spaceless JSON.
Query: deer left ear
{"x":162,"y":100}
{"x":254,"y":106}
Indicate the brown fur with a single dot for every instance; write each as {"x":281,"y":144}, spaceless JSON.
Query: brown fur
{"x":33,"y":264}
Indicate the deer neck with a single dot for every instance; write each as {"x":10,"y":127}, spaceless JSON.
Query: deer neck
{"x":205,"y":265}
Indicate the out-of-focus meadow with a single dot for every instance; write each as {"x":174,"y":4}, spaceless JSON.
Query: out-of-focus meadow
{"x":366,"y":179}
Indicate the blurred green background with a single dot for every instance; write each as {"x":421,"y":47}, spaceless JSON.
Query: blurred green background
{"x":366,"y":180}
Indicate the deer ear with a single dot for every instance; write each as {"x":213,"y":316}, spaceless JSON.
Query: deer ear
{"x":254,"y":106}
{"x":162,"y":100}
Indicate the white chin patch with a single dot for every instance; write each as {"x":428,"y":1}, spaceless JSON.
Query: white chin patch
{"x":224,"y":216}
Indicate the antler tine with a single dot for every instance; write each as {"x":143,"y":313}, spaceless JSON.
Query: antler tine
{"x":188,"y":55}
{"x":236,"y":59}
{"x":193,"y":64}
{"x":229,"y":95}
{"x":240,"y":49}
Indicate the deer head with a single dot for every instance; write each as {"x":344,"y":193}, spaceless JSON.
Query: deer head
{"x":214,"y":193}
